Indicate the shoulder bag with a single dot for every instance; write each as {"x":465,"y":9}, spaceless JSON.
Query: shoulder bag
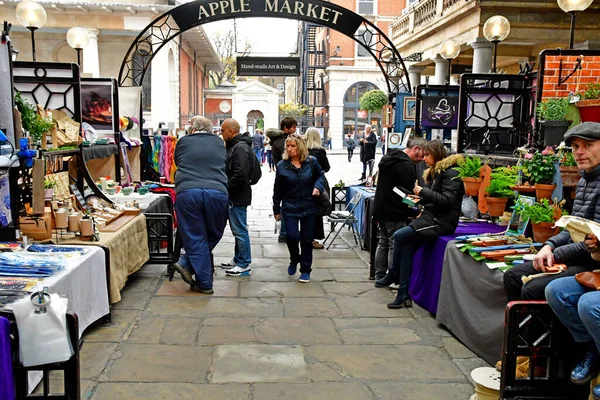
{"x":589,"y":279}
{"x":323,"y":202}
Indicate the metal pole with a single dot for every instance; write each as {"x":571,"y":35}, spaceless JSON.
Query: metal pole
{"x":78,"y":50}
{"x":495,"y":54}
{"x":449,"y":71}
{"x":572,"y":35}
{"x":32,"y":29}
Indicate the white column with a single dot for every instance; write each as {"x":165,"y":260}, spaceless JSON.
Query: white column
{"x":441,"y":70}
{"x":414,"y":76}
{"x":482,"y":56}
{"x":91,"y":63}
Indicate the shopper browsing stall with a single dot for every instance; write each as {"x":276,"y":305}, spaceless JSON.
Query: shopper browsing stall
{"x":441,"y":201}
{"x":202,"y":202}
{"x":585,"y":142}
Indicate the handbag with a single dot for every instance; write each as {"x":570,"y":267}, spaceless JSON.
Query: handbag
{"x":590,"y":279}
{"x":323,"y":204}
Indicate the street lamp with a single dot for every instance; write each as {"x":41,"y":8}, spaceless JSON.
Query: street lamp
{"x":572,"y":7}
{"x":496,"y":29}
{"x":78,"y":39}
{"x":449,"y":50}
{"x":32,"y":16}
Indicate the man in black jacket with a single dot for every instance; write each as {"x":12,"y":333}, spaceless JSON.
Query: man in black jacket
{"x":239,"y":172}
{"x":367,"y":151}
{"x":396,"y":168}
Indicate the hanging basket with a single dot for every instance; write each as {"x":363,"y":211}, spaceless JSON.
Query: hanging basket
{"x":542,"y":231}
{"x":589,"y":110}
{"x":570,"y":176}
{"x":472,"y":186}
{"x":544,"y":191}
{"x":496,"y":205}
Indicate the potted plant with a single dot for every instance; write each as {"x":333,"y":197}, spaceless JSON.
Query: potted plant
{"x":49,"y":186}
{"x":499,"y":191}
{"x":468,"y":170}
{"x":553,"y":114}
{"x":589,"y":103}
{"x":540,"y":169}
{"x":31,"y":121}
{"x":569,"y":171}
{"x":542,"y":216}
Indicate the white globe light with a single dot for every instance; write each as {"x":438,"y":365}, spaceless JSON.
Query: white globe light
{"x":449,"y":49}
{"x":78,"y":38}
{"x":574,"y":5}
{"x":496,"y":29}
{"x":31,"y":14}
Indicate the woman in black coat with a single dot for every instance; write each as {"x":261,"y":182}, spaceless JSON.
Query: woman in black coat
{"x":367,"y":151}
{"x":441,"y":200}
{"x":315,"y":149}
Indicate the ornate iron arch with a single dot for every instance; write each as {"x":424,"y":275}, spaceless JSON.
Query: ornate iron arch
{"x":187,"y":16}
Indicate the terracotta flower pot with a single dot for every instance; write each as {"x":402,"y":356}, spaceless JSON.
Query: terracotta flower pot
{"x":589,"y":110}
{"x":496,"y":205}
{"x":472,"y":186}
{"x":570,"y":176}
{"x":543,"y":191}
{"x":543,"y":231}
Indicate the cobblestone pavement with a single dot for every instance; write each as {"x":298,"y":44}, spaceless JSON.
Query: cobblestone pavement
{"x":267,"y":336}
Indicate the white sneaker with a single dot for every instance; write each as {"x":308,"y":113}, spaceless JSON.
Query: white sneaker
{"x":394,"y":286}
{"x":228,"y":264}
{"x":238,"y":271}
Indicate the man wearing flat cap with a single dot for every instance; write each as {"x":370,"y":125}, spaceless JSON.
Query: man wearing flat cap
{"x":584,"y":140}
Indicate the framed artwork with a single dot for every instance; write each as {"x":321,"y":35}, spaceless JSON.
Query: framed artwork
{"x":518,"y":225}
{"x":408,"y":131}
{"x":97,"y":105}
{"x":410,"y":108}
{"x":440,"y":112}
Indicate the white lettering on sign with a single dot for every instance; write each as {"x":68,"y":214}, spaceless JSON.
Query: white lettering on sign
{"x":295,"y":7}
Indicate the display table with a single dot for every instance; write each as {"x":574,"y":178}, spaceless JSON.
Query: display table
{"x":428,"y":263}
{"x":128,"y":249}
{"x":472,"y":302}
{"x":359,"y":211}
{"x":149,"y":203}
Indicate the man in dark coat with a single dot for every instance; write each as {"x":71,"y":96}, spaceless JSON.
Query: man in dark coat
{"x":396,"y":168}
{"x":585,"y":142}
{"x":367,"y":151}
{"x":239,"y":172}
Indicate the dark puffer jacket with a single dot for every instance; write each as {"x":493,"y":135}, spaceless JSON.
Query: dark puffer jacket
{"x":442,"y":200}
{"x":239,"y":170}
{"x":586,"y":205}
{"x":395,"y":169}
{"x":293,"y":188}
{"x":277,"y":140}
{"x":367,"y":149}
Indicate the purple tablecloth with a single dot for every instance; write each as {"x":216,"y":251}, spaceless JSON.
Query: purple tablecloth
{"x":428,"y":262}
{"x":7,"y":389}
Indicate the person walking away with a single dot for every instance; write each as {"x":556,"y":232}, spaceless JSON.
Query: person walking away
{"x":315,"y":149}
{"x":396,"y":169}
{"x":441,"y":201}
{"x":584,"y":140}
{"x":298,"y":183}
{"x":383,"y":141}
{"x":239,"y":173}
{"x":269,"y":153}
{"x":201,"y":206}
{"x":367,"y":151}
{"x":288,"y":127}
{"x":329,"y":139}
{"x":258,"y":141}
{"x":351,"y":145}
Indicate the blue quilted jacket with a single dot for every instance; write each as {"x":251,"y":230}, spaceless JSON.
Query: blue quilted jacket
{"x":293,"y":188}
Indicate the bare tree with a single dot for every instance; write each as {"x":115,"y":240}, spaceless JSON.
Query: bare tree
{"x":226,"y":49}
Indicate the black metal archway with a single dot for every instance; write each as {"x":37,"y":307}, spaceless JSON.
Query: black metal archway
{"x":187,"y":16}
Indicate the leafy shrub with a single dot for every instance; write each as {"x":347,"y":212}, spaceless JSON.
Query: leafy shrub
{"x":501,"y":180}
{"x":468,"y":167}
{"x":540,"y":168}
{"x":373,"y":100}
{"x":553,"y":109}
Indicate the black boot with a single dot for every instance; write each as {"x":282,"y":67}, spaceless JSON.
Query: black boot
{"x":402,"y":300}
{"x":386,"y":280}
{"x":363,"y":177}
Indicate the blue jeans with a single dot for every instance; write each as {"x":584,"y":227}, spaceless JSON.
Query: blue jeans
{"x":270,"y":158}
{"x":202,"y":216}
{"x":406,"y":243}
{"x":258,"y":154}
{"x":577,"y":307}
{"x":303,"y":237}
{"x":238,"y":223}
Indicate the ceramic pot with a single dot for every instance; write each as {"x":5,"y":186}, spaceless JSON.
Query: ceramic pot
{"x":544,"y":191}
{"x":570,"y":176}
{"x":86,"y":227}
{"x":48,"y":193}
{"x":74,"y":219}
{"x":543,"y":231}
{"x":61,"y":219}
{"x":496,"y":205}
{"x":554,"y":131}
{"x":589,"y":110}
{"x":472,"y":186}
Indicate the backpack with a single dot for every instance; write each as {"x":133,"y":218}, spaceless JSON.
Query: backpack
{"x":256,"y":173}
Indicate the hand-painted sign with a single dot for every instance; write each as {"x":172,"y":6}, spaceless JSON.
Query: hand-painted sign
{"x":315,"y":11}
{"x":268,"y":66}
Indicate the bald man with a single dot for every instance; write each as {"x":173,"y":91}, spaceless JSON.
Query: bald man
{"x":239,"y":171}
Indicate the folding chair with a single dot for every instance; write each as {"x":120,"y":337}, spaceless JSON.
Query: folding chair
{"x":343,"y":218}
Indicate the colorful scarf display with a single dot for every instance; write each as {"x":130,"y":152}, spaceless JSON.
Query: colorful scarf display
{"x":163,"y":156}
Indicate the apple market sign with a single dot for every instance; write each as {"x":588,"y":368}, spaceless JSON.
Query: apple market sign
{"x":315,"y":11}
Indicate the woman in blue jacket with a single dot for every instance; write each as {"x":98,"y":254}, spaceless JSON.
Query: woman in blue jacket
{"x":298,"y":183}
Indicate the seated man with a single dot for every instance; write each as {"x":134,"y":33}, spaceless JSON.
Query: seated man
{"x":585,"y":142}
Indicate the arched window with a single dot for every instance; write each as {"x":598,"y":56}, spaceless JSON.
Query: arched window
{"x":355,"y":119}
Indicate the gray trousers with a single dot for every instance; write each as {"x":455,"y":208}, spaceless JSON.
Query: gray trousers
{"x":385,"y":247}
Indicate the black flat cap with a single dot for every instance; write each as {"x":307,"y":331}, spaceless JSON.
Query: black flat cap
{"x":585,"y":130}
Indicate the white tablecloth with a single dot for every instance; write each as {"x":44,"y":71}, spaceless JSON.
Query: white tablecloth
{"x":143,"y":200}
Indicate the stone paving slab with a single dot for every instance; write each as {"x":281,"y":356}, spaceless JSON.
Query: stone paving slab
{"x":297,"y":307}
{"x":147,"y":330}
{"x":280,"y":251}
{"x":349,"y":289}
{"x":211,"y":307}
{"x":297,"y":331}
{"x":177,"y":287}
{"x":162,"y":391}
{"x":311,"y":391}
{"x":422,"y":391}
{"x":351,"y":275}
{"x":213,"y":335}
{"x":258,"y":363}
{"x":280,"y":289}
{"x":336,"y":263}
{"x":161,"y":363}
{"x":117,"y":331}
{"x":369,"y":307}
{"x":93,"y":359}
{"x":180,"y":331}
